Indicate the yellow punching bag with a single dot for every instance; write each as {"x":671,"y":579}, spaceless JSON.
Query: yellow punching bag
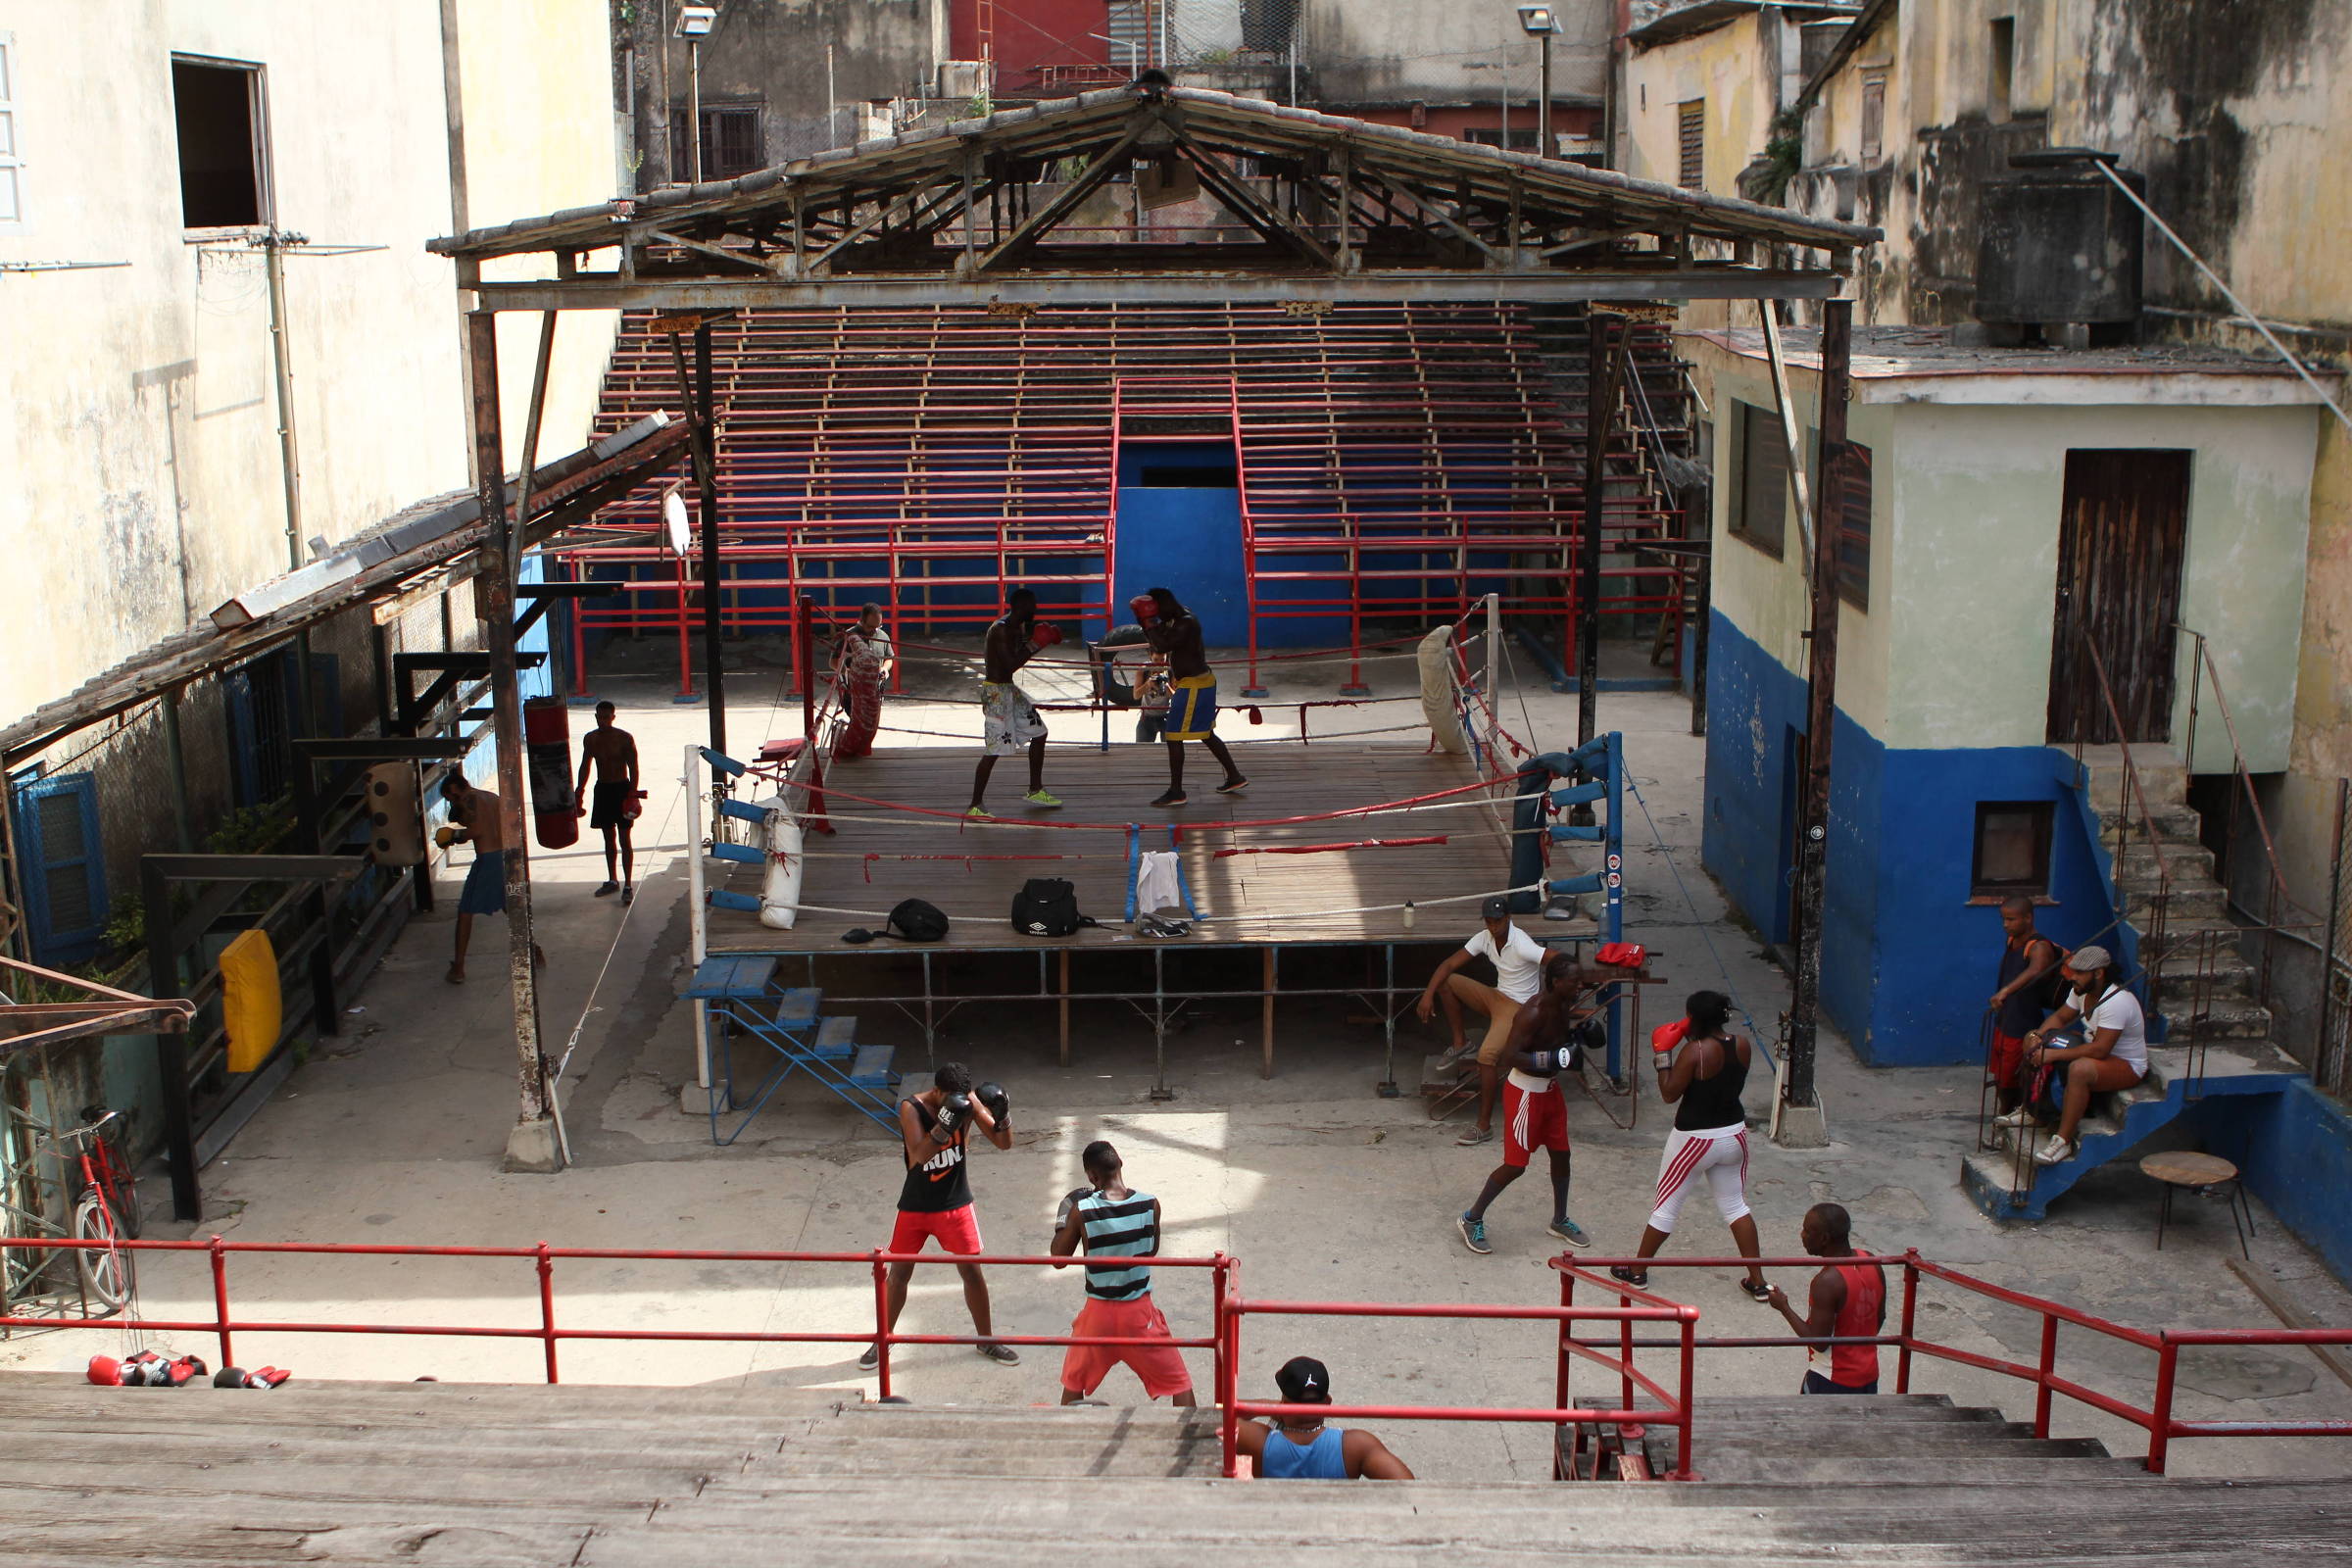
{"x":251,"y":1008}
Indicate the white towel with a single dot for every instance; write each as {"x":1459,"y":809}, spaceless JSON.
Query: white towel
{"x":1156,"y":886}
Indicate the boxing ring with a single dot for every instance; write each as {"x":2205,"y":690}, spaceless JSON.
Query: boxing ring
{"x":1345,"y":870}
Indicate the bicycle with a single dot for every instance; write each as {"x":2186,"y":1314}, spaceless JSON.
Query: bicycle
{"x":104,"y":1212}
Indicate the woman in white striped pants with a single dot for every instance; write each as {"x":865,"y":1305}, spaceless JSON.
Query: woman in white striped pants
{"x":1702,"y":1080}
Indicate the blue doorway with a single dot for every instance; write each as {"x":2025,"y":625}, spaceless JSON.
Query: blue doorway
{"x":1180,"y":528}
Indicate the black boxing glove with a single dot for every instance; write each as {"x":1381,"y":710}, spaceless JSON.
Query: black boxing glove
{"x":953,"y":1112}
{"x":999,"y":1103}
{"x":1546,"y":1061}
{"x":1062,"y":1216}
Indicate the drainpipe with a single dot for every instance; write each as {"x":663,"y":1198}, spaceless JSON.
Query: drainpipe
{"x":282,"y":365}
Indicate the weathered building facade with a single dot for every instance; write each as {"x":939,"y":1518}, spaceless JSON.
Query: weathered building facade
{"x":2238,"y":117}
{"x":230,"y":353}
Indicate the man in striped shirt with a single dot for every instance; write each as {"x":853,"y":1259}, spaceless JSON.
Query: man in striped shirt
{"x":1115,"y":1221}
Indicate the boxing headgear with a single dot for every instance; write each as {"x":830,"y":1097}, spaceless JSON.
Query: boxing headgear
{"x":1146,"y":607}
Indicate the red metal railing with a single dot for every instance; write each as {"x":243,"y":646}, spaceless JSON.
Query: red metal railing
{"x":1616,"y":1353}
{"x":1674,"y":1409}
{"x":2157,"y":1419}
{"x":224,"y":1325}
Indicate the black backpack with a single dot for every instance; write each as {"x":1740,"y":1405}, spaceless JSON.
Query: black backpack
{"x":1047,"y":907}
{"x":916,"y":921}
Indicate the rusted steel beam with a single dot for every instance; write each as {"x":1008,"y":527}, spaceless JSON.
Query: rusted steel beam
{"x":1606,"y":343}
{"x":1205,"y":286}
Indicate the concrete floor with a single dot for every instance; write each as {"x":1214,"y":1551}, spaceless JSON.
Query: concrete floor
{"x":392,"y":1133}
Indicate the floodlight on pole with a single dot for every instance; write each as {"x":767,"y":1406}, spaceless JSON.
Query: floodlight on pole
{"x":694,"y":25}
{"x":1541,"y":22}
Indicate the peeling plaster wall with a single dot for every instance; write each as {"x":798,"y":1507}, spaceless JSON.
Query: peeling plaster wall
{"x":1736,"y":69}
{"x":1365,"y":52}
{"x":2239,"y":115}
{"x":142,"y":442}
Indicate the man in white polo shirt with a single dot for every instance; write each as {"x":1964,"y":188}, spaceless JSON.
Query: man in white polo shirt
{"x":1518,"y":960}
{"x":2115,"y":1056}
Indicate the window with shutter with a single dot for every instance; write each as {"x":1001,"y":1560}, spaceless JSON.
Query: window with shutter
{"x":1691,"y":123}
{"x":1759,"y":504}
{"x":1853,"y":528}
{"x":63,"y":872}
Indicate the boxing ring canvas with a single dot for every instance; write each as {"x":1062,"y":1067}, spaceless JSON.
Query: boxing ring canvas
{"x":1331,"y":882}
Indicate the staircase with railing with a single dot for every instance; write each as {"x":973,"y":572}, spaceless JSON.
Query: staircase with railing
{"x":2179,"y":943}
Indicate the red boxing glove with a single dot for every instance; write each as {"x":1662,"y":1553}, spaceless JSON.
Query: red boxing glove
{"x":1666,"y":1036}
{"x":1146,"y":606}
{"x":1045,"y":634}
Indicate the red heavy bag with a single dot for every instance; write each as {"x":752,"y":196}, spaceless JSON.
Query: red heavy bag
{"x":547,"y":748}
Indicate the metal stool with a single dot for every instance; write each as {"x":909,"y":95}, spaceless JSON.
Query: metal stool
{"x":2199,"y":1173}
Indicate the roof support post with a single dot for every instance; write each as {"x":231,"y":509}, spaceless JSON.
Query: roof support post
{"x":700,"y":419}
{"x":1060,"y":207}
{"x":1797,"y":1120}
{"x":531,"y":1144}
{"x":1605,"y":364}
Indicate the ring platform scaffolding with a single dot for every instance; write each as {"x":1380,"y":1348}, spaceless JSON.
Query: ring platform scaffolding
{"x":1282,"y":870}
{"x":993,"y":216}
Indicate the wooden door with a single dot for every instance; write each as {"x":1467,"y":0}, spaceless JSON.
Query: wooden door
{"x":2123,"y":532}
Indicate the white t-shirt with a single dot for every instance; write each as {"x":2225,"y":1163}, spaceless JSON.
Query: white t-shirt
{"x":1518,"y":967}
{"x":2119,"y":1011}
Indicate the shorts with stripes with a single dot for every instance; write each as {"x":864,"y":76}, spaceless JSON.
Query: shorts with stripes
{"x":1719,"y":1154}
{"x":1532,"y":1119}
{"x":1192,"y":708}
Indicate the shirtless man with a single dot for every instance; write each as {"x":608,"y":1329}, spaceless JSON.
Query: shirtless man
{"x":1009,"y":722}
{"x":613,"y":753}
{"x":476,"y":818}
{"x":1535,"y":1114}
{"x":1174,"y":633}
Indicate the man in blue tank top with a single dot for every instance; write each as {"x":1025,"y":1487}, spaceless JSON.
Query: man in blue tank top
{"x":1305,"y":1449}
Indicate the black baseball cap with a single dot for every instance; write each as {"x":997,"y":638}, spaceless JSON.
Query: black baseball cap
{"x":1497,"y":907}
{"x":1303,"y":1380}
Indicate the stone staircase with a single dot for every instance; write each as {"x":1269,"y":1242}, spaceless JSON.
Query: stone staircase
{"x":2214,"y":1033}
{"x":597,"y":1476}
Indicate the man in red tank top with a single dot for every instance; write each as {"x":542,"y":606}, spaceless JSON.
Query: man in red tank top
{"x":1849,"y":1302}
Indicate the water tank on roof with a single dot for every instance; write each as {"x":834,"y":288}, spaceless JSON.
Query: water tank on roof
{"x":2058,"y":242}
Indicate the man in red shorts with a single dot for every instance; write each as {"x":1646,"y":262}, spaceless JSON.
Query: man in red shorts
{"x":937,"y":1197}
{"x":1114,"y":1220}
{"x":1535,"y":1114}
{"x":2025,"y":993}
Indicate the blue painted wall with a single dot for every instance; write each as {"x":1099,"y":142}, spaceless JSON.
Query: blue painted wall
{"x":1184,"y":538}
{"x":1908,"y":960}
{"x":2295,"y":1151}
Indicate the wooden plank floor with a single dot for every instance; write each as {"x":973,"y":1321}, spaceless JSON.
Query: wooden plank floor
{"x":1274,"y":898}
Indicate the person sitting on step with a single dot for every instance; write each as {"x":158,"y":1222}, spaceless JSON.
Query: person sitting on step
{"x":2115,"y":1056}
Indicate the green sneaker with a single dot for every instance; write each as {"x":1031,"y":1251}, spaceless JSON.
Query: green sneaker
{"x":1042,"y":800}
{"x":979,"y":813}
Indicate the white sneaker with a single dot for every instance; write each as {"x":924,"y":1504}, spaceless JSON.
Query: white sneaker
{"x":2022,"y":1116}
{"x":2056,"y":1150}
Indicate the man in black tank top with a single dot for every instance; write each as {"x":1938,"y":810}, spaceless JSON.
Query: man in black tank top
{"x":936,"y":1198}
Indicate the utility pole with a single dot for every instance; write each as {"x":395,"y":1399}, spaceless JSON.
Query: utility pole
{"x":531,"y":1145}
{"x":1798,"y":1122}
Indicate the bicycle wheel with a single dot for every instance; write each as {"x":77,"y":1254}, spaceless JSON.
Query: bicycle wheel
{"x":106,"y":1271}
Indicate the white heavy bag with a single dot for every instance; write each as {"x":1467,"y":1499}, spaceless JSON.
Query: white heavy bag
{"x":1437,"y":691}
{"x":780,"y":890}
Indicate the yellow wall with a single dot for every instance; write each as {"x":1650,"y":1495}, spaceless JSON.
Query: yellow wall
{"x":1729,"y":69}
